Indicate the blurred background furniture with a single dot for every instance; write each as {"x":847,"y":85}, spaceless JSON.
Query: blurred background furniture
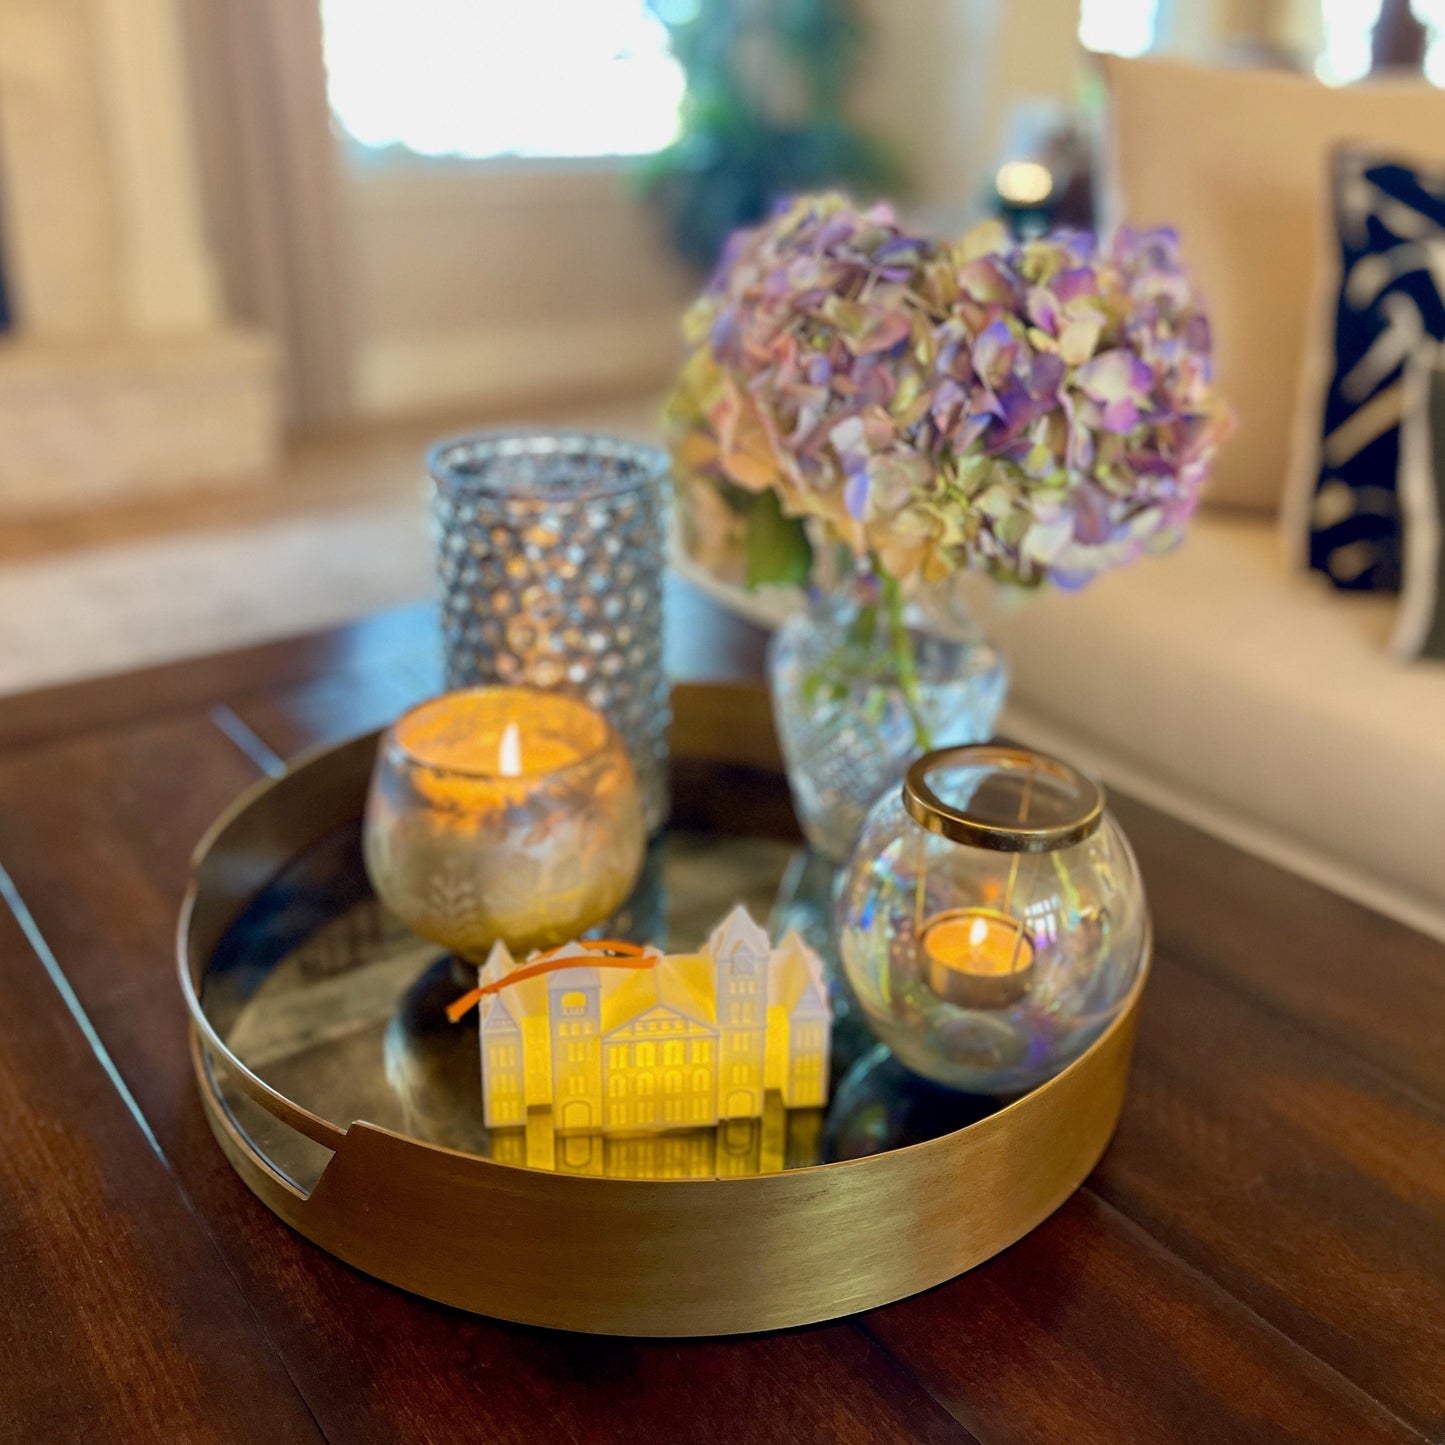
{"x":369,"y":224}
{"x":120,"y":373}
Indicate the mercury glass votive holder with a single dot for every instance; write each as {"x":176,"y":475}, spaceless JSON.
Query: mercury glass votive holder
{"x":992,"y":922}
{"x":550,"y":549}
{"x":502,"y":813}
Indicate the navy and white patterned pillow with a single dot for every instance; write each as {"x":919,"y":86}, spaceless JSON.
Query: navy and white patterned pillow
{"x":1390,"y":222}
{"x":1420,"y":624}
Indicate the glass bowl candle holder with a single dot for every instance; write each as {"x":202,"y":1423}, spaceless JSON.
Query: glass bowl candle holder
{"x":502,"y":813}
{"x":992,"y":922}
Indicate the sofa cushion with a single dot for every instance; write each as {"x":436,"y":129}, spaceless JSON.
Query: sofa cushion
{"x":1237,"y":162}
{"x":1384,"y":306}
{"x":1420,"y":623}
{"x":1257,"y":701}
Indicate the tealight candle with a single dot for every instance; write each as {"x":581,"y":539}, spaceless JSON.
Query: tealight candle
{"x":977,"y":957}
{"x":502,"y":813}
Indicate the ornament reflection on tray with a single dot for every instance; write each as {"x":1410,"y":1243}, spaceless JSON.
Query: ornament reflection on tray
{"x":780,"y":1138}
{"x":992,"y":923}
{"x":502,"y":812}
{"x":614,"y":1037}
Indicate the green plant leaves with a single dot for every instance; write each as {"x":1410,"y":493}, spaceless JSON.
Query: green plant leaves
{"x":778,"y":547}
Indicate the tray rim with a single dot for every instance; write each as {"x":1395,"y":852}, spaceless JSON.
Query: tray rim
{"x":1043,"y":1111}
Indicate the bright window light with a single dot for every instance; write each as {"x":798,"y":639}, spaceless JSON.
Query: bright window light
{"x":502,"y":77}
{"x":1118,"y":27}
{"x":1431,"y":14}
{"x":1349,"y":27}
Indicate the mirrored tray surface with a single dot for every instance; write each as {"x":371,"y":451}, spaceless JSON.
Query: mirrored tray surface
{"x":339,"y":1007}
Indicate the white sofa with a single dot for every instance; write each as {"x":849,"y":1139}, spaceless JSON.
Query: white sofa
{"x":1254,"y":701}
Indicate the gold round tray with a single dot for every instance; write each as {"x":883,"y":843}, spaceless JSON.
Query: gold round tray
{"x":565,"y":1245}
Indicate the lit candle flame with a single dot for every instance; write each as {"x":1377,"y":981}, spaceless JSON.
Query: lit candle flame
{"x":509,"y":753}
{"x":977,"y":933}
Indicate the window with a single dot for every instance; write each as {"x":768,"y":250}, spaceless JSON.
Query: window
{"x":574,"y":1003}
{"x":1349,"y":28}
{"x":1431,"y":13}
{"x":646,"y":1055}
{"x":1120,"y":27}
{"x":485,"y":78}
{"x":672,"y":1051}
{"x":701,"y":1052}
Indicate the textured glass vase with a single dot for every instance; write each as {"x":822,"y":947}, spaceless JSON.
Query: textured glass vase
{"x":859,"y":692}
{"x":550,"y":554}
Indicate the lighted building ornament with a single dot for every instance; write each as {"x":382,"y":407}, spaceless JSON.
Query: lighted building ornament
{"x":651,"y":1040}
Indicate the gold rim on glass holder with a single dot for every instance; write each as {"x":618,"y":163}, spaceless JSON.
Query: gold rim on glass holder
{"x":959,"y":825}
{"x":642,"y":1257}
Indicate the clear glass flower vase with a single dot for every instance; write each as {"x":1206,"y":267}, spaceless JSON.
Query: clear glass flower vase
{"x":863,"y":681}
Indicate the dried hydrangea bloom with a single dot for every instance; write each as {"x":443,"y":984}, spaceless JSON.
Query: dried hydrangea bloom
{"x":1039,"y":410}
{"x":1073,"y":414}
{"x":812,"y":352}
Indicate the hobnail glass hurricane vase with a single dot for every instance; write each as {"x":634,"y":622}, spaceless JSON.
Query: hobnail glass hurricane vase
{"x":863,"y":680}
{"x":550,"y":556}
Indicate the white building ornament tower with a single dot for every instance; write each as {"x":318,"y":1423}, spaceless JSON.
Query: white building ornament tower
{"x":662,"y":1041}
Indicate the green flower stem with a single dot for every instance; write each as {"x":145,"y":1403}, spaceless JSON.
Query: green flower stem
{"x":862,"y":630}
{"x":878,"y":630}
{"x":903,"y":659}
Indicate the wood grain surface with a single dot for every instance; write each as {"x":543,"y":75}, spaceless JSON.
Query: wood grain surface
{"x":1259,"y":1257}
{"x":120,"y":1320}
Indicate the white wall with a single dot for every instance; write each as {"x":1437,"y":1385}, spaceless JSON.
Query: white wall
{"x":500,"y":282}
{"x":497,"y":282}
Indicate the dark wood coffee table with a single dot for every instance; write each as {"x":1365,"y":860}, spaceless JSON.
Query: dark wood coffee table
{"x":1259,"y":1257}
